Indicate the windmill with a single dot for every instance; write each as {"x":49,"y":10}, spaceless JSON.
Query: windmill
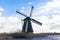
{"x":27,"y":27}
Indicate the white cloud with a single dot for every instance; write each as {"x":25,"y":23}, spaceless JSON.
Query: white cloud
{"x":56,"y":19}
{"x":53,"y":8}
{"x":49,"y":7}
{"x":30,"y":3}
{"x":10,"y":24}
{"x":13,"y":19}
{"x":23,"y":8}
{"x":1,"y":10}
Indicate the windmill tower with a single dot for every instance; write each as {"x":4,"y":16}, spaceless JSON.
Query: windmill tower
{"x":27,"y":27}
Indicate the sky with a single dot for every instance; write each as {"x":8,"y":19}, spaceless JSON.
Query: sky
{"x":45,"y":11}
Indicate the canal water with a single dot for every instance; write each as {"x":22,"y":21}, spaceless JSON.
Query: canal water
{"x":49,"y":37}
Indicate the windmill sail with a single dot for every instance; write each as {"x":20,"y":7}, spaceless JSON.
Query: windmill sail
{"x":21,"y":14}
{"x":31,"y":11}
{"x":36,"y":22}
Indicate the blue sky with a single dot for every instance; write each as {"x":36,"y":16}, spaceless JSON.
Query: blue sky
{"x":10,"y":6}
{"x":45,"y":11}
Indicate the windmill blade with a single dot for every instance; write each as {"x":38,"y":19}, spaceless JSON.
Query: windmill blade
{"x":21,"y":14}
{"x":31,"y":11}
{"x":36,"y":21}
